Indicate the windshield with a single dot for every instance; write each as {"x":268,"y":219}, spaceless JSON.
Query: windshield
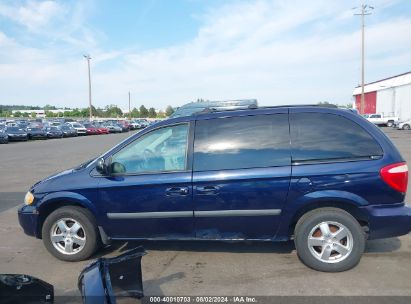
{"x":14,"y":129}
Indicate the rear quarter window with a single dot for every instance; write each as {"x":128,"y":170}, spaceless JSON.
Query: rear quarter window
{"x":321,"y":136}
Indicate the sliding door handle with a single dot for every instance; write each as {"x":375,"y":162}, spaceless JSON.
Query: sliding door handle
{"x":177,"y":191}
{"x":207,"y":190}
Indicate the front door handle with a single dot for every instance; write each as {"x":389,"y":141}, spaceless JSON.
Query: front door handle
{"x":207,"y":190}
{"x":177,"y":191}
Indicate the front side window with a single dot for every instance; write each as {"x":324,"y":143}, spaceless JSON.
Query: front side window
{"x":319,"y":136}
{"x":242,"y":142}
{"x":161,"y":150}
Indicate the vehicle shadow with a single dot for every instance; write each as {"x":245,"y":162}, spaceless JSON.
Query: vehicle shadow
{"x":117,"y":247}
{"x":201,"y":246}
{"x":383,"y":245}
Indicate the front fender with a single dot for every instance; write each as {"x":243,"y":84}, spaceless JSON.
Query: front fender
{"x":66,"y":197}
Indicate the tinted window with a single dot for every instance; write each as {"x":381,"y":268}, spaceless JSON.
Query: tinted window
{"x":317,"y":136}
{"x":242,"y":142}
{"x":164,"y":149}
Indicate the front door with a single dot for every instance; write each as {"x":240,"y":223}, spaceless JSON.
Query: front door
{"x":149,"y":194}
{"x":241,"y":175}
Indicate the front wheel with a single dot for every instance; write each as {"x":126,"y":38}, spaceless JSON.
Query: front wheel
{"x":406,"y":127}
{"x":329,"y":239}
{"x":70,"y":234}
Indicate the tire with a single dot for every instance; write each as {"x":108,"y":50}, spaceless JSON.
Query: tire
{"x":85,"y":240}
{"x":390,"y":123}
{"x":345,"y":253}
{"x":406,"y":127}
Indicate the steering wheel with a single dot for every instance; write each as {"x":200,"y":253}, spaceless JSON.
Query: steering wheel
{"x":147,"y":154}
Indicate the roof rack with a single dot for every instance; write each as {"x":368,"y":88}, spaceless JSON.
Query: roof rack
{"x":255,"y":107}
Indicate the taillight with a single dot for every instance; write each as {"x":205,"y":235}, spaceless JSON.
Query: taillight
{"x":396,"y":176}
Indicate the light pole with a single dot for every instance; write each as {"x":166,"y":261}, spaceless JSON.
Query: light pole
{"x":365,"y":10}
{"x":89,"y":85}
{"x":129,"y":105}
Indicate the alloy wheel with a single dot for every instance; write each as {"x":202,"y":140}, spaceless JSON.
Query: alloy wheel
{"x":330,"y":242}
{"x":68,"y":236}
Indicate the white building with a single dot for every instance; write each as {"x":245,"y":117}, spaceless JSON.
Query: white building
{"x":390,"y":96}
{"x":39,"y":113}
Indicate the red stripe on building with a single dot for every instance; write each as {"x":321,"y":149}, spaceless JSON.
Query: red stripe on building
{"x":370,"y":101}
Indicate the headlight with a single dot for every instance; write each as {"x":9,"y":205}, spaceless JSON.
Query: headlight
{"x":29,"y":198}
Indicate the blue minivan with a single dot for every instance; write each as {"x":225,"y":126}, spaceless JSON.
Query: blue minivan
{"x":324,"y":177}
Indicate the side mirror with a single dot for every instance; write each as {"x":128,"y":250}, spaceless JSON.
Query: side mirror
{"x":101,"y":166}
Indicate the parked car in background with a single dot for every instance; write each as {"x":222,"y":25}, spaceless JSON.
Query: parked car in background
{"x":16,"y":133}
{"x":143,"y":122}
{"x":55,"y":124}
{"x":4,"y":138}
{"x":403,"y":125}
{"x":135,"y":125}
{"x":34,"y":132}
{"x":91,"y":129}
{"x":112,"y":128}
{"x":54,"y":132}
{"x":125,"y":125}
{"x":382,"y":120}
{"x":68,"y":130}
{"x":81,"y":130}
{"x":101,"y":129}
{"x":11,"y":123}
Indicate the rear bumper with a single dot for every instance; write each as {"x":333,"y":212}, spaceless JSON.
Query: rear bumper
{"x":28,"y":220}
{"x":385,"y":221}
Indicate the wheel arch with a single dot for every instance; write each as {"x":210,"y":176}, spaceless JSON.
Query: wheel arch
{"x":347,"y":206}
{"x":58,"y":200}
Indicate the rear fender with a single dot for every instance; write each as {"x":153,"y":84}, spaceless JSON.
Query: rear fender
{"x":318,"y":199}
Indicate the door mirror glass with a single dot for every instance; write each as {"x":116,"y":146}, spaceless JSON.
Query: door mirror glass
{"x":101,"y":166}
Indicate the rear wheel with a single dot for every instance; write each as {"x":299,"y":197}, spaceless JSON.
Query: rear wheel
{"x":329,"y":239}
{"x":70,"y":234}
{"x":390,"y":123}
{"x":406,"y":127}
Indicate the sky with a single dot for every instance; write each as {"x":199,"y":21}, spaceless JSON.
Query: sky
{"x":173,"y":52}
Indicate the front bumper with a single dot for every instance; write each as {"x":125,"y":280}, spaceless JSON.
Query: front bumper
{"x":17,"y":137}
{"x":38,"y":136}
{"x":386,"y":221}
{"x":28,"y":220}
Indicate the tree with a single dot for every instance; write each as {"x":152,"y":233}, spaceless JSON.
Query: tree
{"x":48,"y":107}
{"x":161,"y":114}
{"x":152,"y":113}
{"x":143,"y":111}
{"x":17,"y":114}
{"x":135,"y":113}
{"x":169,"y":110}
{"x":50,"y":114}
{"x":113,"y":111}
